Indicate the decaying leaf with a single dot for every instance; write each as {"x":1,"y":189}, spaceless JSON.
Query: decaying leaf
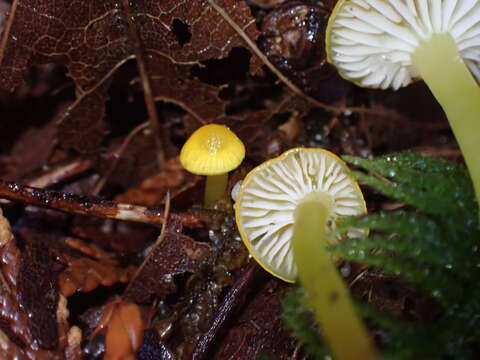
{"x":87,"y":273}
{"x":93,"y":39}
{"x":21,"y":316}
{"x":120,"y":328}
{"x":175,"y":254}
{"x":37,"y":287}
{"x":259,"y":329}
{"x":153,"y":190}
{"x":124,"y":333}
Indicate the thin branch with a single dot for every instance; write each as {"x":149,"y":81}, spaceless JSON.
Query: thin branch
{"x":231,"y":303}
{"x":294,"y":88}
{"x":157,"y":242}
{"x":116,"y":157}
{"x":83,"y":205}
{"x":61,"y":173}
{"x":147,"y":87}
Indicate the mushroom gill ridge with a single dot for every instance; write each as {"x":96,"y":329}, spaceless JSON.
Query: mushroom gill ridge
{"x":272,"y":194}
{"x":372,"y":40}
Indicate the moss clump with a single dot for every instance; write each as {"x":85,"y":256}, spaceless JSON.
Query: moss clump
{"x":433,"y":244}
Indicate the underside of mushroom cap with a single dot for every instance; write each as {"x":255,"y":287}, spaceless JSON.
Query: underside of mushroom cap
{"x":371,"y":42}
{"x":268,"y":197}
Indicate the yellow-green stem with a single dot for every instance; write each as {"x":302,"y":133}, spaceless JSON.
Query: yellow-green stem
{"x":215,"y":187}
{"x":443,"y":70}
{"x":327,"y":293}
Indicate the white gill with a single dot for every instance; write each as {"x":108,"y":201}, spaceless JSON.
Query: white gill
{"x":372,"y":40}
{"x":270,"y":196}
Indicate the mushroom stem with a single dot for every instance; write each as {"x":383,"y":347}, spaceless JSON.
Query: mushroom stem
{"x":215,"y":187}
{"x":439,"y":64}
{"x":327,"y":293}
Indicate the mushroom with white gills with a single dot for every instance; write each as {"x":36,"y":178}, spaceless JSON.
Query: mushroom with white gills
{"x":389,"y":43}
{"x":283,"y":211}
{"x":212,"y":150}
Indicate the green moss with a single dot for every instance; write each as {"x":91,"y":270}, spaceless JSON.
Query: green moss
{"x":432,"y":244}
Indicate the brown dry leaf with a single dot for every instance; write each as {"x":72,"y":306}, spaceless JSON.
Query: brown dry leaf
{"x":259,"y":328}
{"x":20,"y":332}
{"x":120,"y":326}
{"x":93,"y":38}
{"x":153,"y":190}
{"x":37,"y":283}
{"x":21,"y":160}
{"x":92,"y":251}
{"x":124,"y":332}
{"x":86,"y":274}
{"x":176,"y":254}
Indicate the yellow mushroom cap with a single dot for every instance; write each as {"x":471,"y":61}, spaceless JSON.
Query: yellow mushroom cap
{"x":212,"y":150}
{"x":265,"y":205}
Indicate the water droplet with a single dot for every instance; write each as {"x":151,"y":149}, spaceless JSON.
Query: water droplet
{"x":346,"y":269}
{"x":15,"y":187}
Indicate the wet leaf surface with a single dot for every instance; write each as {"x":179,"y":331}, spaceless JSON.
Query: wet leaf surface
{"x":259,"y":329}
{"x":174,"y":255}
{"x":93,"y":39}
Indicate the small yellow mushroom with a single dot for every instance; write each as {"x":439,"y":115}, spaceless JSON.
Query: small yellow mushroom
{"x":212,"y":150}
{"x":284,"y":210}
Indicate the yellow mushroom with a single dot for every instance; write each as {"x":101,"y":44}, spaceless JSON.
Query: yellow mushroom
{"x":212,"y":150}
{"x":284,"y":209}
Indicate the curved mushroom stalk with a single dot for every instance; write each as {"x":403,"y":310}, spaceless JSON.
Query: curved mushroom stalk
{"x":328,"y":296}
{"x":439,"y":64}
{"x":388,"y":43}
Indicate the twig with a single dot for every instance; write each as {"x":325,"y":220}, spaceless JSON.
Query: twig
{"x":157,"y":242}
{"x":267,"y":62}
{"x":61,"y":173}
{"x":147,"y":87}
{"x":229,"y":306}
{"x":83,"y":205}
{"x":116,"y":157}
